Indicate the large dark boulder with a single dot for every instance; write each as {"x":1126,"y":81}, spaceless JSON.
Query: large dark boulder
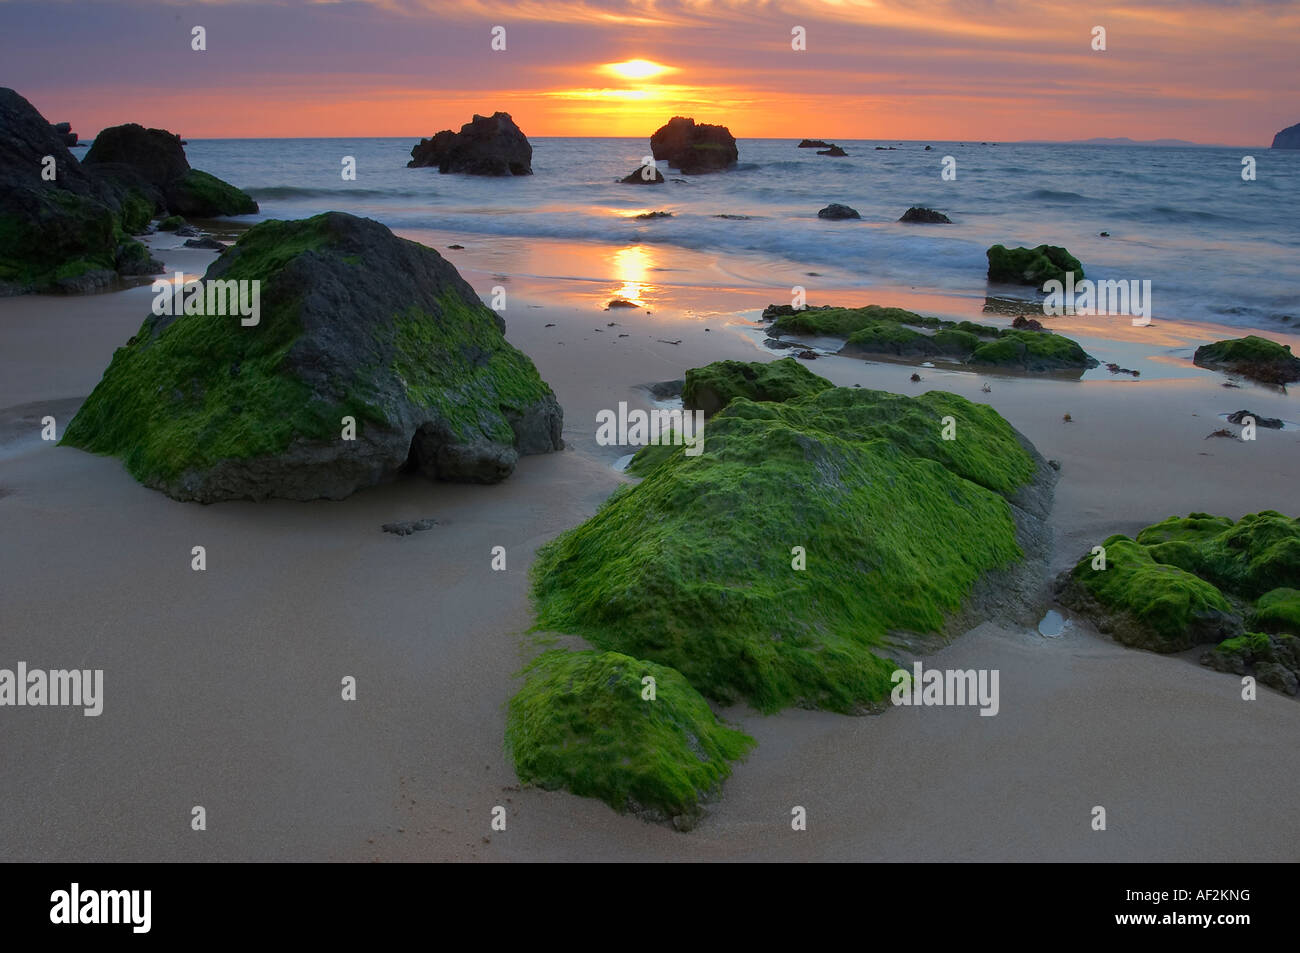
{"x":642,"y":176}
{"x":837,"y":212}
{"x":1288,"y":138}
{"x":353,"y":322}
{"x":924,"y":216}
{"x":486,"y":145}
{"x":64,"y":129}
{"x":68,"y":233}
{"x":152,"y":163}
{"x":694,"y":148}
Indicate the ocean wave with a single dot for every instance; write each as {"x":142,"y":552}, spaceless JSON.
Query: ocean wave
{"x":1050,"y":195}
{"x":289,"y":192}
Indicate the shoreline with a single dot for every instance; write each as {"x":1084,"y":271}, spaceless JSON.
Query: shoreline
{"x":234,"y":704}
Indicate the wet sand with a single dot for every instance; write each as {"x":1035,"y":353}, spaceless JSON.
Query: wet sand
{"x":223,"y":687}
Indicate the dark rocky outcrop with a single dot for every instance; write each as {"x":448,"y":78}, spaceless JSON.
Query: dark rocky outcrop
{"x":641,"y":176}
{"x":486,"y":145}
{"x":694,"y":148}
{"x":64,"y":129}
{"x":1032,"y":266}
{"x":151,"y":163}
{"x":1288,"y":138}
{"x":354,"y":323}
{"x":925,"y":216}
{"x":1269,"y":423}
{"x":832,"y":151}
{"x":69,"y":233}
{"x":1252,"y":356}
{"x":813,"y":144}
{"x":836,"y":212}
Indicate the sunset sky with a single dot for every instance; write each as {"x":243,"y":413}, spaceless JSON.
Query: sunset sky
{"x":1215,"y":72}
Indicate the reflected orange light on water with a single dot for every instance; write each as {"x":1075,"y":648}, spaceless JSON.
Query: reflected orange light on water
{"x":632,"y":268}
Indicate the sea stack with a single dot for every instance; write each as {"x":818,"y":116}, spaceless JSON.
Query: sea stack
{"x":694,"y":148}
{"x":1288,"y":138}
{"x":486,"y":145}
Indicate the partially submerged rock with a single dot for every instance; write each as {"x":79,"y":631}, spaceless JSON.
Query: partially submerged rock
{"x":1239,"y":417}
{"x":1254,"y":357}
{"x":906,"y":536}
{"x":486,"y":145}
{"x":583,"y":722}
{"x":694,"y":148}
{"x":895,"y":333}
{"x":813,"y":144}
{"x":1031,"y":266}
{"x":924,"y":216}
{"x":1288,"y":138}
{"x":832,"y":151}
{"x":1190,"y":581}
{"x":645,"y":175}
{"x":836,"y":212}
{"x":71,"y":233}
{"x":712,"y":387}
{"x":354,"y":323}
{"x":151,"y":163}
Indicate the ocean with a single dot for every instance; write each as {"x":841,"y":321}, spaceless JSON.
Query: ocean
{"x":1215,"y":247}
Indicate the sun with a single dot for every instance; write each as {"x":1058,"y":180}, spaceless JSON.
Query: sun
{"x":636,"y":69}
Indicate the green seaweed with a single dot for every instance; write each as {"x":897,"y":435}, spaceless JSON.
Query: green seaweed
{"x":1251,"y":356}
{"x":199,"y":193}
{"x":581,"y":723}
{"x":711,"y":387}
{"x":692,"y":567}
{"x":1032,"y":266}
{"x":1031,"y":350}
{"x":1278,"y":611}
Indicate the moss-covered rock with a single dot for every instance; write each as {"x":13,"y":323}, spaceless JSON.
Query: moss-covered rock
{"x":1278,"y":611}
{"x":1259,"y":552}
{"x":1273,"y":659}
{"x":63,"y":233}
{"x":1032,"y":351}
{"x":712,"y":387}
{"x":1254,"y":357}
{"x":1191,"y":580}
{"x":171,"y":223}
{"x":1145,"y":603}
{"x":896,"y":332}
{"x":1031,"y":266}
{"x":151,"y":164}
{"x":582,"y":722}
{"x":694,"y":566}
{"x":354,"y":322}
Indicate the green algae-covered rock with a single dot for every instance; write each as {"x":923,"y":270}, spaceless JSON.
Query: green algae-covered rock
{"x":696,"y":567}
{"x":1031,"y":266}
{"x":1191,"y":580}
{"x":1278,"y":611}
{"x":893,"y":333}
{"x":1145,"y":603}
{"x":584,"y":722}
{"x":354,"y":323}
{"x":1259,"y":552}
{"x":1254,"y":357}
{"x":65,"y":233}
{"x":1273,"y":659}
{"x":1032,"y":351}
{"x":712,"y":387}
{"x":151,"y":163}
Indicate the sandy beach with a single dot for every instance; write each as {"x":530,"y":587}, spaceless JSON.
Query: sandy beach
{"x":222,"y":688}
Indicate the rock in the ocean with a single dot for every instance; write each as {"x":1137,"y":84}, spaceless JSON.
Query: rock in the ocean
{"x":835,"y":212}
{"x":152,"y":163}
{"x":206,"y":242}
{"x":925,"y":216}
{"x":694,"y":148}
{"x":1288,"y":138}
{"x":832,"y":151}
{"x":645,"y":175}
{"x":354,"y":323}
{"x":813,"y":144}
{"x":486,"y":145}
{"x":904,"y":532}
{"x":62,"y":235}
{"x":1031,"y":266}
{"x":1254,"y":357}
